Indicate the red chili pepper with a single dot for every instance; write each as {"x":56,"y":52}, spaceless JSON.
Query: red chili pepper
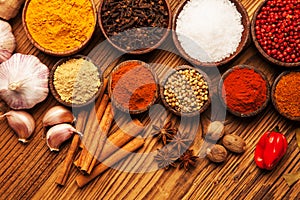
{"x":270,"y":149}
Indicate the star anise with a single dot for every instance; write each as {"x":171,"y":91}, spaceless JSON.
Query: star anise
{"x":165,"y":158}
{"x":165,"y":133}
{"x":180,"y":142}
{"x":187,"y":160}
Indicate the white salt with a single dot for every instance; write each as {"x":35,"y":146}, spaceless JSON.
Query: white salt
{"x":209,"y":30}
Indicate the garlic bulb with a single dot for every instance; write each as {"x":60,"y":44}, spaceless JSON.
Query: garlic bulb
{"x":58,"y":134}
{"x":7,"y":41}
{"x":21,"y":122}
{"x":23,"y":81}
{"x":58,"y":115}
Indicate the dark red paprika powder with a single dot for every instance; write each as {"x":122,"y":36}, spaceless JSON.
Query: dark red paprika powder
{"x":244,"y":90}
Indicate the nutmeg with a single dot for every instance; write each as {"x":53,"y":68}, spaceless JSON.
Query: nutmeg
{"x":234,"y":143}
{"x":216,"y":153}
{"x":215,"y":131}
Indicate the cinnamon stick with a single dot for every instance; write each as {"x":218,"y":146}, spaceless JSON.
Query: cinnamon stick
{"x":101,"y":94}
{"x":76,"y":162}
{"x":64,"y":172}
{"x":80,"y":125}
{"x":116,"y":140}
{"x":99,"y":138}
{"x":91,"y":127}
{"x":119,"y":155}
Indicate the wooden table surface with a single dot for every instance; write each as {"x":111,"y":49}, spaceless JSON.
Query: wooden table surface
{"x":29,"y":171}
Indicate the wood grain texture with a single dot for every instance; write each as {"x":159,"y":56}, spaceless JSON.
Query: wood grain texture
{"x":29,"y":171}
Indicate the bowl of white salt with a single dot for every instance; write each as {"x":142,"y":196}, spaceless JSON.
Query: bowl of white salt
{"x":210,"y":32}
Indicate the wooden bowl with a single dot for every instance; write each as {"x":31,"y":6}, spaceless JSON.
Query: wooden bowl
{"x":236,"y":113}
{"x":55,"y":93}
{"x":244,"y":40}
{"x":116,"y":103}
{"x":274,"y":99}
{"x":184,"y":114}
{"x":138,"y":51}
{"x":48,"y":51}
{"x":260,"y":49}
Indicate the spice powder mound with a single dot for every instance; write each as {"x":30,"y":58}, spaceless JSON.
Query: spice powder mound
{"x":76,"y":81}
{"x":133,"y":86}
{"x":244,"y":90}
{"x":287,"y":94}
{"x":60,"y":25}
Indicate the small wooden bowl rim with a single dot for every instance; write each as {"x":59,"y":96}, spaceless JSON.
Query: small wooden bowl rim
{"x":55,"y":93}
{"x":119,"y":106}
{"x":260,"y":49}
{"x":57,"y":53}
{"x":244,"y":40}
{"x":236,"y":113}
{"x":162,"y":96}
{"x":274,"y":102}
{"x":139,"y":51}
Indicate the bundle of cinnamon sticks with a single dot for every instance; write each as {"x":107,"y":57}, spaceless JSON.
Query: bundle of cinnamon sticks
{"x":97,"y":146}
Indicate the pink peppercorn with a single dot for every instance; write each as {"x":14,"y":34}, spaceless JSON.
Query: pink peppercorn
{"x":277,"y":29}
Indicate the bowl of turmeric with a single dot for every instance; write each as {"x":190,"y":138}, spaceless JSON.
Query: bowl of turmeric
{"x":59,"y":28}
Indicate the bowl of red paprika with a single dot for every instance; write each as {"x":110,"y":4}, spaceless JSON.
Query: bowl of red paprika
{"x":244,"y":90}
{"x":133,"y":87}
{"x":275,"y":32}
{"x":285,"y":94}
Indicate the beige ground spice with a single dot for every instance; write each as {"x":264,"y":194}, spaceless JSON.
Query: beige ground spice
{"x":76,"y":81}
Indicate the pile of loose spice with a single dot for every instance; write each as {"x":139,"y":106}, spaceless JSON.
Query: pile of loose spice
{"x":244,"y":90}
{"x":186,"y":90}
{"x":76,"y":81}
{"x":61,"y":25}
{"x":134,"y":25}
{"x":277,"y":30}
{"x":133,"y":86}
{"x":209,"y":30}
{"x":287,"y":94}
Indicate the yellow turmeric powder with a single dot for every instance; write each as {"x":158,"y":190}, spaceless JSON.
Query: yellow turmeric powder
{"x":60,"y":25}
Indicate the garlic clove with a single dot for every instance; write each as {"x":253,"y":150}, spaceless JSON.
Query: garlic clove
{"x":7,"y":41}
{"x":23,"y":81}
{"x":22,"y":123}
{"x":58,"y":115}
{"x":10,"y":8}
{"x":58,"y":134}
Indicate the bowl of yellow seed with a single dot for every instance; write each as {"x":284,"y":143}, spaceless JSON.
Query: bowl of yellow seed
{"x":185,"y":91}
{"x":75,"y":81}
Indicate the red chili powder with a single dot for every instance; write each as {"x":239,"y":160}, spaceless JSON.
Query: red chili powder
{"x":244,"y":90}
{"x":133,"y":86}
